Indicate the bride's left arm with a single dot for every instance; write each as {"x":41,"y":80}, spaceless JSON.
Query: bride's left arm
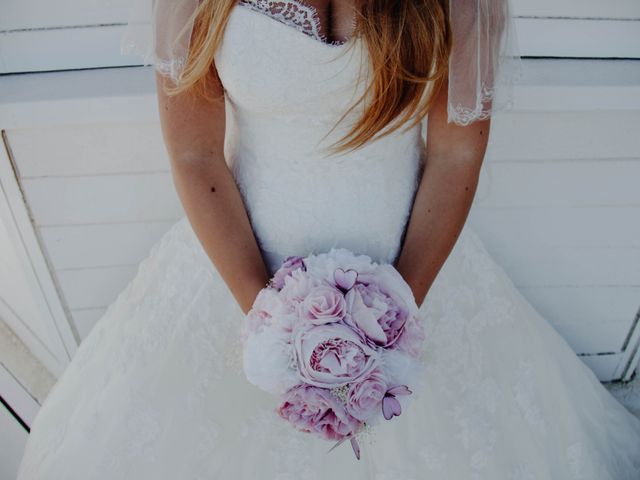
{"x":442,"y":202}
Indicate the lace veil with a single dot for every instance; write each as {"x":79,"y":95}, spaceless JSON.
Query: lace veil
{"x":483,"y":68}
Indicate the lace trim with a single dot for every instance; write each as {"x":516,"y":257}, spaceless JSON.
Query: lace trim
{"x":462,"y":115}
{"x":294,"y":13}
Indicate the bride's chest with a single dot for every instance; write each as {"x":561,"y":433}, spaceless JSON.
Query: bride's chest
{"x":274,"y":59}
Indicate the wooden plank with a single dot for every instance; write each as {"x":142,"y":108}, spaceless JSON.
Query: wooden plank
{"x":591,"y":319}
{"x":523,"y":228}
{"x":553,"y":182}
{"x":63,"y":48}
{"x":594,"y":337}
{"x":584,"y":304}
{"x":81,"y":97}
{"x":90,"y":149}
{"x":572,"y":266}
{"x":42,"y":14}
{"x":102,"y":199}
{"x":604,"y":366}
{"x":577,"y":8}
{"x":81,"y":246}
{"x":578,"y":37}
{"x":564,"y":135}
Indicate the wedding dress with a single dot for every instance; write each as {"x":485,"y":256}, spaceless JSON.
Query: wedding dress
{"x":157,"y":391}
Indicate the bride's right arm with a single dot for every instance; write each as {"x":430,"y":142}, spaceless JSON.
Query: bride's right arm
{"x":193,"y":131}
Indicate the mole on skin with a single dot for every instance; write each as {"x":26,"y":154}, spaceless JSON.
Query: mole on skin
{"x":213,"y":189}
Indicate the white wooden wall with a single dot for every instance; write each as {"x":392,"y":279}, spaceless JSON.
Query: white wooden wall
{"x":559,"y":204}
{"x":88,"y":189}
{"x":104,"y":194}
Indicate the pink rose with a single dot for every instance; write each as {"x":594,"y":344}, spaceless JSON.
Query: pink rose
{"x":412,"y":338}
{"x":365,"y":397}
{"x":323,"y":304}
{"x":289,"y":265}
{"x":317,"y":410}
{"x":332,"y":355}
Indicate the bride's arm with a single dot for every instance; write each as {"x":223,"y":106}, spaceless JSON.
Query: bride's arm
{"x":193,"y":131}
{"x":443,"y":199}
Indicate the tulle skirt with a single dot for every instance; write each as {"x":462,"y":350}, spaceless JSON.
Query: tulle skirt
{"x":156,"y":391}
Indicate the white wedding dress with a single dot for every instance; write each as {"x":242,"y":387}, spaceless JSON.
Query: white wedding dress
{"x":156,"y":391}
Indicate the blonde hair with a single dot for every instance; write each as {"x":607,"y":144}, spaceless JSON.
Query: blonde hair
{"x":409,"y":44}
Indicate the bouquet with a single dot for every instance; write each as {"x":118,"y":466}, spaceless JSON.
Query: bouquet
{"x":337,"y":337}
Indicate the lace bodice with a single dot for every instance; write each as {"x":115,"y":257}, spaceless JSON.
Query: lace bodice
{"x":284,"y":91}
{"x":294,"y":13}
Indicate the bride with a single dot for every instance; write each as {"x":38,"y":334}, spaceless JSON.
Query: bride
{"x":294,"y":126}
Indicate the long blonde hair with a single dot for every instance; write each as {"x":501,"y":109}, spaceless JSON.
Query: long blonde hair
{"x":409,"y":44}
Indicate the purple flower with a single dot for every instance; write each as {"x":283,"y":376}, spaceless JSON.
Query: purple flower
{"x":317,"y":410}
{"x":332,"y":355}
{"x":375,"y":314}
{"x":379,"y":305}
{"x":290,"y":264}
{"x":364,"y":397}
{"x":323,"y":304}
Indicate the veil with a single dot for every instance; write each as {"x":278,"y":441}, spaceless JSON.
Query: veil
{"x":484,"y":64}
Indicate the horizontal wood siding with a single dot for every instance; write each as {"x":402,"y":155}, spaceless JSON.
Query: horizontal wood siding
{"x":557,"y":204}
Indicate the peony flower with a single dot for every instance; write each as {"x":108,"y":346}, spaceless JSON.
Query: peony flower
{"x":379,"y":305}
{"x":317,"y":410}
{"x":332,"y":355}
{"x":297,"y":285}
{"x":390,"y":282}
{"x":323,"y":304}
{"x":375,"y":314}
{"x":365,"y":397}
{"x":268,"y":308}
{"x":290,"y":264}
{"x":268,"y":361}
